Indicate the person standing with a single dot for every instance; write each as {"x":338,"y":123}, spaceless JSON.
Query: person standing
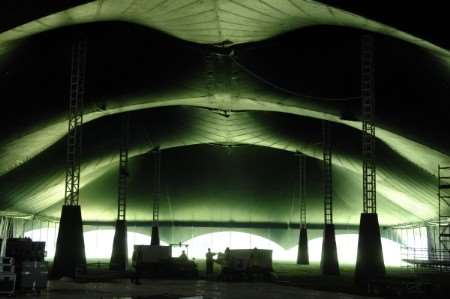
{"x":209,"y":262}
{"x":183,"y":257}
{"x":136,"y":262}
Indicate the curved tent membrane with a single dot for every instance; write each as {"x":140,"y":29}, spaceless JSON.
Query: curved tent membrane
{"x":228,"y":144}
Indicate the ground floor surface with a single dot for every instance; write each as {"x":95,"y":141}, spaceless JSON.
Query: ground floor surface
{"x":168,"y":289}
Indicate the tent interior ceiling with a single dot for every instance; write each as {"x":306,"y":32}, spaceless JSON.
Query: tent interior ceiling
{"x":297,"y":62}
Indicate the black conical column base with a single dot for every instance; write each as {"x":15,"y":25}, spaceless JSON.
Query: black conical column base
{"x":369,"y":262}
{"x":155,"y":236}
{"x":302,"y":254}
{"x":70,"y":257}
{"x":329,"y":264}
{"x":119,"y":255}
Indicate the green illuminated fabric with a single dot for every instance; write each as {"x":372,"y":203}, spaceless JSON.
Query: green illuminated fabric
{"x":217,"y":167}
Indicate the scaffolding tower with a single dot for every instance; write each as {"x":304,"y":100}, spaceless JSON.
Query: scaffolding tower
{"x":327,"y":173}
{"x":302,"y":252}
{"x":301,"y":188}
{"x":74,"y":137}
{"x":368,"y":125}
{"x":70,"y":255}
{"x":156,"y":185}
{"x":222,"y":75}
{"x":123,"y":167}
{"x":210,"y":69}
{"x":444,"y":211}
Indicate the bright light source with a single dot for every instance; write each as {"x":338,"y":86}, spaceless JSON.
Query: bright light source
{"x":97,"y":243}
{"x":48,"y":235}
{"x":347,"y":248}
{"x":218,"y":241}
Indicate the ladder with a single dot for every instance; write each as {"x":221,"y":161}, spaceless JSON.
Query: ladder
{"x":327,"y":173}
{"x":222,"y":75}
{"x":301,"y":186}
{"x":77,"y":89}
{"x":368,"y":124}
{"x":444,"y":211}
{"x":123,"y":168}
{"x":156,"y":185}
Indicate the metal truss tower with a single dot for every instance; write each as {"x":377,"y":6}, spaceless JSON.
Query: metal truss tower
{"x":222,"y":76}
{"x":119,"y":255}
{"x":327,"y":173}
{"x":369,"y":261}
{"x":302,"y":254}
{"x":74,"y":136}
{"x":329,"y":264}
{"x":156,"y":195}
{"x":368,"y":125}
{"x":123,"y":168}
{"x":301,"y":188}
{"x":157,"y":186}
{"x":70,"y":257}
{"x":210,"y":69}
{"x":444,"y":211}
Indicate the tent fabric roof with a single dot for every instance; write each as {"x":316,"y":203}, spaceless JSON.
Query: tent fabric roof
{"x":213,"y":21}
{"x":172,"y":107}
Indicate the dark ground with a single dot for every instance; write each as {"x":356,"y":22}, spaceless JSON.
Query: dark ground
{"x":399,"y":282}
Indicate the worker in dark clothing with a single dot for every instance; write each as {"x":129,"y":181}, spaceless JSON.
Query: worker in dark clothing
{"x":209,"y":262}
{"x":252,"y":258}
{"x":227,"y":257}
{"x":251,"y":265}
{"x":183,"y":257}
{"x":136,"y":260}
{"x":226,"y":273}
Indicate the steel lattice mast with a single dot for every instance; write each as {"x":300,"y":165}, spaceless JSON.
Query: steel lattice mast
{"x":302,"y":253}
{"x":368,"y":125}
{"x":156,"y":195}
{"x":444,"y":215}
{"x":157,"y":185}
{"x":74,"y":136}
{"x":369,"y":261}
{"x":327,"y":174}
{"x":329,"y":264}
{"x":301,"y":188}
{"x":70,"y":255}
{"x":123,"y":168}
{"x":222,"y":75}
{"x":119,"y":254}
{"x":210,"y":65}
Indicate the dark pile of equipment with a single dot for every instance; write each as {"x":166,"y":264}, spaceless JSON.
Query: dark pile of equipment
{"x":30,"y":268}
{"x":7,"y":276}
{"x":246,"y":265}
{"x":152,"y":261}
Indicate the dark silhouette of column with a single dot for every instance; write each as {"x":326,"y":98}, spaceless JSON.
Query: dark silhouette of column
{"x":70,"y":256}
{"x":369,"y":262}
{"x":329,"y":264}
{"x":302,"y":254}
{"x":119,"y":255}
{"x":156,"y":196}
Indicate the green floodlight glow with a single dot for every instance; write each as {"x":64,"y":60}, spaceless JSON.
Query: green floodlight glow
{"x":218,"y":241}
{"x":49,"y":235}
{"x":98,"y":245}
{"x":347,"y":247}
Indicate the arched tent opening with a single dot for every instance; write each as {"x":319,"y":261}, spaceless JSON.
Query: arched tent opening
{"x":347,"y":247}
{"x":228,"y":129}
{"x":98,"y":244}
